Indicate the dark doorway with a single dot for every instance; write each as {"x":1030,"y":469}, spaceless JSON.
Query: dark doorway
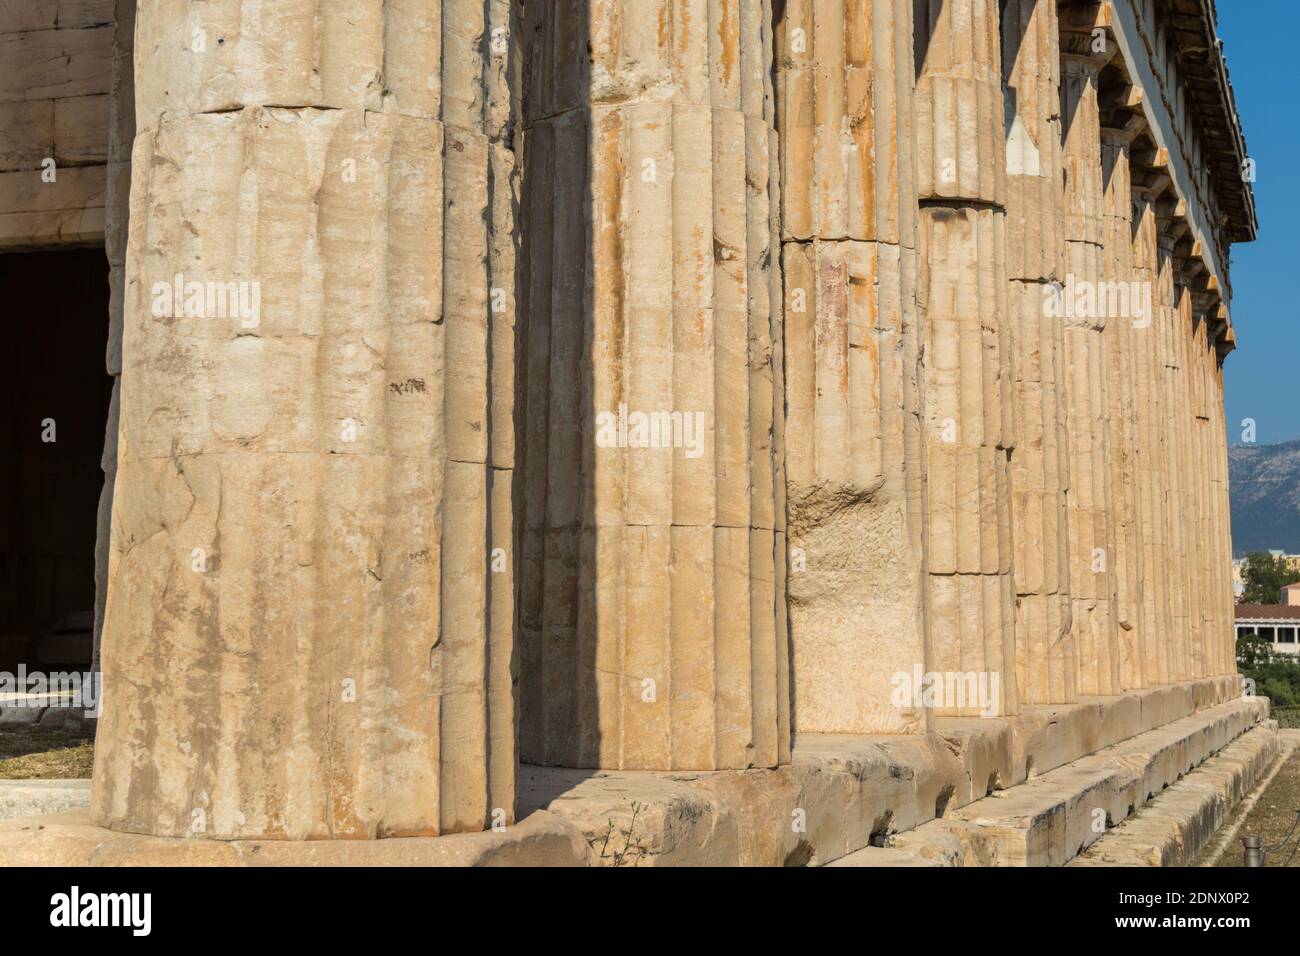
{"x":54,"y":396}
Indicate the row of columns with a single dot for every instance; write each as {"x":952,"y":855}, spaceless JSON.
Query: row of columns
{"x":755,"y":307}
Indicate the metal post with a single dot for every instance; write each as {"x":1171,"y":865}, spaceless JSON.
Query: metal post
{"x":1254,"y":850}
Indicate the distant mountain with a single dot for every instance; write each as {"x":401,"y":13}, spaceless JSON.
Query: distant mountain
{"x":1264,"y":488}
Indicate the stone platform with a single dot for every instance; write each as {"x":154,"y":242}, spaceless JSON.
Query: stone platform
{"x":839,"y":795}
{"x":1049,"y":821}
{"x":1179,"y":823}
{"x":25,"y":798}
{"x":69,"y":839}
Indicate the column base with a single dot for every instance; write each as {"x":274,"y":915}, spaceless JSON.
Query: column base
{"x":70,"y":839}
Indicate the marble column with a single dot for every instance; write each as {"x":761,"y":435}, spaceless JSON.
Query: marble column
{"x":117,"y":205}
{"x":1153,"y":468}
{"x":1092,"y":534}
{"x":1047,"y":660}
{"x":1133,"y":303}
{"x":1226,"y":662}
{"x":310,"y":596}
{"x":853,"y":441}
{"x":653,"y":623}
{"x":968,"y":388}
{"x":1191,"y":499}
{"x":1204,"y":570}
{"x":1174,"y":407}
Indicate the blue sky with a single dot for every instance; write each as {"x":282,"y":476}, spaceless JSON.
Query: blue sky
{"x":1262,"y":375}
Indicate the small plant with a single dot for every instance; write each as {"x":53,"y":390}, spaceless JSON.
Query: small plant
{"x":631,"y":850}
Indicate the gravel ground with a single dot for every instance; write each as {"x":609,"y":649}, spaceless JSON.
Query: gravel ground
{"x":1271,"y":817}
{"x":28,"y":753}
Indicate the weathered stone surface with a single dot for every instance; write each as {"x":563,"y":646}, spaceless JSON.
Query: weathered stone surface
{"x":653,"y":631}
{"x":1031,"y":70}
{"x":844,"y":94}
{"x":840,"y":791}
{"x":81,"y":130}
{"x":1153,"y":475}
{"x":51,"y":64}
{"x":1123,"y":403}
{"x":1047,"y":661}
{"x":78,"y":14}
{"x":830,"y":230}
{"x":1051,"y":819}
{"x":855,"y":584}
{"x":968,"y":382}
{"x":28,"y":127}
{"x":715,"y":53}
{"x":25,"y":798}
{"x":969,"y":419}
{"x":70,"y":839}
{"x":1178,"y":823}
{"x":1091,"y":495}
{"x":322,"y":479}
{"x":960,"y":143}
{"x":121,"y":136}
{"x":17,"y":16}
{"x":453,"y":61}
{"x":854,"y":464}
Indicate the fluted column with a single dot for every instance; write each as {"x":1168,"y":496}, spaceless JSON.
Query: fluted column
{"x":853,"y":441}
{"x":117,"y":200}
{"x":653,"y":624}
{"x":1047,"y":660}
{"x":1133,"y":301}
{"x":1199,"y":347}
{"x":1092,"y":584}
{"x":1191,"y":499}
{"x":1211,"y":558}
{"x":1167,"y":315}
{"x":1153,"y":468}
{"x":969,"y":409}
{"x":1226,"y":662}
{"x":309,"y":613}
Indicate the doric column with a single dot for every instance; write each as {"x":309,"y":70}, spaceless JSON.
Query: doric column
{"x":1193,"y":475}
{"x":1133,"y":304}
{"x":304,"y":635}
{"x":1092,"y":541}
{"x":1205,"y":552}
{"x":653,"y":631}
{"x":1226,"y":662}
{"x":117,"y":200}
{"x":961,"y":181}
{"x":1047,"y":661}
{"x":1174,"y":403}
{"x":1153,"y":469}
{"x":853,"y":440}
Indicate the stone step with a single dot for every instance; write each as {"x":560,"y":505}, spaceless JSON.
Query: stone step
{"x":841,"y":793}
{"x":1050,"y":819}
{"x":25,"y":798}
{"x":1174,"y":827}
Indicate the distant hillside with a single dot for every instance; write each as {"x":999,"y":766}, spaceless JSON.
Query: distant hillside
{"x":1264,"y":487}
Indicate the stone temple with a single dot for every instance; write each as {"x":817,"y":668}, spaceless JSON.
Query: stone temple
{"x":639,"y":431}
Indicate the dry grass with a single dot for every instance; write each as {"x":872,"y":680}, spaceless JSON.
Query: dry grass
{"x":28,"y":753}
